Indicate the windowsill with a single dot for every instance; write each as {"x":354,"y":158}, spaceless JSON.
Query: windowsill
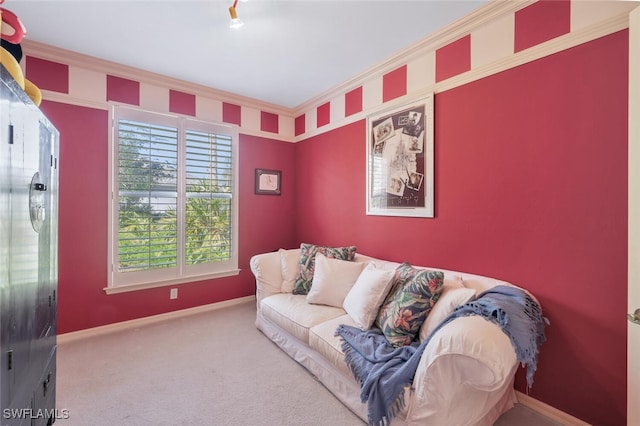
{"x":145,"y":286}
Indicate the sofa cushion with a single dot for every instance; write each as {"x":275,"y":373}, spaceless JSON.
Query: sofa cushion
{"x":412,"y":297}
{"x":308,"y":252}
{"x":292,"y":313}
{"x":367,"y":294}
{"x":332,"y":280}
{"x":453,"y":294}
{"x":290,"y":265}
{"x":323,"y":339}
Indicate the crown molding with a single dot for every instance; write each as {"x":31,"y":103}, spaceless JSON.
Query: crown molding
{"x":68,"y":57}
{"x":452,"y":32}
{"x":558,"y":44}
{"x":461,"y":27}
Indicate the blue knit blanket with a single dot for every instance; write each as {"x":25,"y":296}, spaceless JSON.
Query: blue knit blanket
{"x":383,"y":370}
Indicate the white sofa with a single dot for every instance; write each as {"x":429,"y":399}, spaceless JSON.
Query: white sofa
{"x":466,"y":372}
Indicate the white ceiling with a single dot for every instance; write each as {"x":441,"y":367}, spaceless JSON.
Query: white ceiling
{"x":288,"y":52}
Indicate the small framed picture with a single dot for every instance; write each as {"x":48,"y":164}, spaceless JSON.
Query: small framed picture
{"x":268,"y":182}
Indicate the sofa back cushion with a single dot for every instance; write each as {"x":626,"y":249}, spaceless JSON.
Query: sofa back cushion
{"x":290,"y":266}
{"x":367,"y":294}
{"x":332,"y":280}
{"x":308,"y":252}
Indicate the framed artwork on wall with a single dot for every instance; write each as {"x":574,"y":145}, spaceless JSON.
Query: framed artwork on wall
{"x":268,"y":182}
{"x":400,"y":160}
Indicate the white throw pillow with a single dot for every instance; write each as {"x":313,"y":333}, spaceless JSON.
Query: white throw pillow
{"x":289,"y":264}
{"x":454,"y":294}
{"x":367,"y":294}
{"x":332,"y":280}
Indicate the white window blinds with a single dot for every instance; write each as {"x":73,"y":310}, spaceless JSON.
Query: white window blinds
{"x":174,"y":210}
{"x":147,"y":196}
{"x":209,"y":194}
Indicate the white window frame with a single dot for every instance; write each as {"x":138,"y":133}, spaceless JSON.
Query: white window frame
{"x":129,"y":281}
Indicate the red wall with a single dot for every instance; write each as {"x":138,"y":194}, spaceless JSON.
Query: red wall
{"x":83,"y":216}
{"x":530,"y":187}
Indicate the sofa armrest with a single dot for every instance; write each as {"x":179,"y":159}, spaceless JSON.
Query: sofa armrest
{"x":468,"y":359}
{"x":267,"y":269}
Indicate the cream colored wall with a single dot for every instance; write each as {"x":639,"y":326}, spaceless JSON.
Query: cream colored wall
{"x":492,"y":50}
{"x":491,"y":29}
{"x":88,"y":85}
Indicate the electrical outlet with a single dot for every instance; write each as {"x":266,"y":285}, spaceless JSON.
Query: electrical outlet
{"x":173,"y":293}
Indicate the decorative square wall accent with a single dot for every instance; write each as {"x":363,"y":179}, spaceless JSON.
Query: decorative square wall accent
{"x":47,"y":75}
{"x":541,"y":21}
{"x":182,"y":103}
{"x":394,"y":84}
{"x":323,"y":114}
{"x":454,"y":58}
{"x":299,"y":125}
{"x":353,"y":102}
{"x":123,"y":90}
{"x":231,"y":113}
{"x":269,"y":122}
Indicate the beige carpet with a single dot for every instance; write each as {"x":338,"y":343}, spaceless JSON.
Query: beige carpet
{"x":213,"y":368}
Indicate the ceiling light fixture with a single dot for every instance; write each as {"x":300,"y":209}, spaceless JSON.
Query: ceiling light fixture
{"x":235,"y":21}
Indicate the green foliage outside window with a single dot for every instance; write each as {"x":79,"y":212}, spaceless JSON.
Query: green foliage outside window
{"x":148,"y":205}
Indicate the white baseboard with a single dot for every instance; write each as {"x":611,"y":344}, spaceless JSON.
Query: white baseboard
{"x":119,"y":326}
{"x":549,"y":411}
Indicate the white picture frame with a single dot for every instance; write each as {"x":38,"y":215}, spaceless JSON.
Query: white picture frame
{"x":400,"y":160}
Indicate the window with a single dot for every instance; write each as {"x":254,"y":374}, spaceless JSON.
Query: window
{"x":173,"y":207}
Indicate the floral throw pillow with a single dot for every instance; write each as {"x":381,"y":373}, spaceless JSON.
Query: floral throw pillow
{"x":308,"y":252}
{"x":413,"y":295}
